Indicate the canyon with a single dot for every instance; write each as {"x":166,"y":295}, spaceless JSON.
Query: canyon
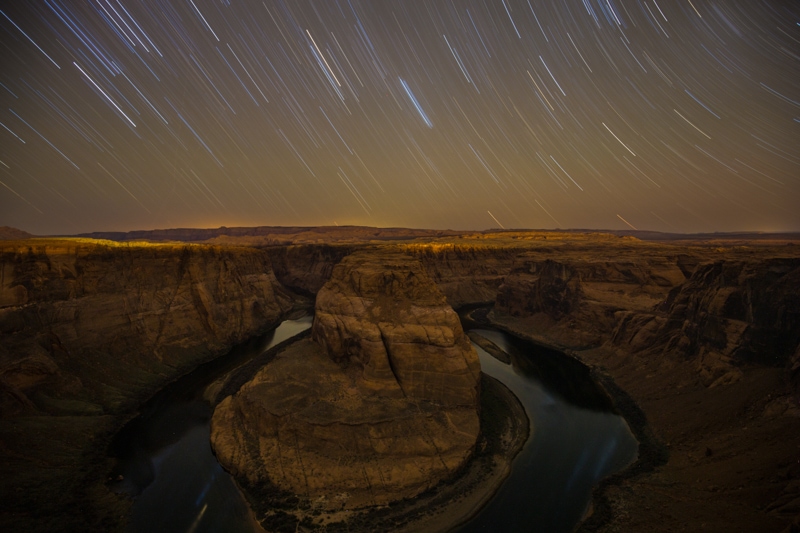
{"x":380,"y":406}
{"x":697,"y":340}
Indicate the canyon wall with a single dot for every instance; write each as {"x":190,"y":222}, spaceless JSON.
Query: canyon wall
{"x":722,"y":313}
{"x":726,"y":315}
{"x":106,"y":323}
{"x":576,"y":300}
{"x":88,"y":331}
{"x":701,"y":347}
{"x":465,"y":273}
{"x":380,"y":406}
{"x":304,"y":268}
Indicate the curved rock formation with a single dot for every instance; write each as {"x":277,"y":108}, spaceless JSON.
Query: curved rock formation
{"x":384,"y":316}
{"x":382,"y":407}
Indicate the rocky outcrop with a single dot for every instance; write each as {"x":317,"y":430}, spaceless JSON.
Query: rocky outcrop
{"x":576,"y":302}
{"x":106,"y":323}
{"x":729,"y":313}
{"x":381,"y":406}
{"x":381,"y":314}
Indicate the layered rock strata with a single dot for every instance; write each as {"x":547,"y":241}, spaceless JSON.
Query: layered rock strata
{"x":577,"y":301}
{"x":382,"y":405}
{"x":102,"y":323}
{"x":726,"y":315}
{"x":722,"y":314}
{"x":713,"y":361}
{"x":88,"y":330}
{"x":305,"y":268}
{"x":466,"y":274}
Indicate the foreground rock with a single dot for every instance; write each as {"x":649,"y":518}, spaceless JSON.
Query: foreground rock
{"x":381,"y":406}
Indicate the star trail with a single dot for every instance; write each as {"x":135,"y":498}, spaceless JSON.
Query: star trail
{"x":679,"y":115}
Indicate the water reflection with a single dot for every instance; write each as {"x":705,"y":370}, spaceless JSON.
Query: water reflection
{"x":577,"y":440}
{"x":165,"y":458}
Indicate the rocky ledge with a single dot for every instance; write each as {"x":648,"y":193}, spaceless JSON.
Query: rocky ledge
{"x":380,"y":406}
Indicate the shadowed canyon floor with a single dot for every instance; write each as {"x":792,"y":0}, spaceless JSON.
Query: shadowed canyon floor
{"x":698,"y":342}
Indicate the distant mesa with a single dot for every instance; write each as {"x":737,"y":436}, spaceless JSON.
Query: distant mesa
{"x":281,"y":235}
{"x":270,"y":235}
{"x":7,"y":233}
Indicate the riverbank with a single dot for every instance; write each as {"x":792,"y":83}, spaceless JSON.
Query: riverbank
{"x":713,"y":459}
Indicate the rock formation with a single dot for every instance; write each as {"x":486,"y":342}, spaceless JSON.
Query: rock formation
{"x":381,"y":406}
{"x":305,"y":268}
{"x":466,"y":274}
{"x":727,"y":314}
{"x":102,"y":323}
{"x":577,"y":301}
{"x":88,"y":331}
{"x":706,"y":341}
{"x":703,"y":336}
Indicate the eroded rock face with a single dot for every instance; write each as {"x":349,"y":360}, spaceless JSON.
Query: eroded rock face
{"x":729,"y":313}
{"x":306,"y":268}
{"x":103,"y":323}
{"x":578,"y":301}
{"x":465,"y":274}
{"x":384,"y":316}
{"x":380,"y":406}
{"x":718,"y":314}
{"x":546,"y":287}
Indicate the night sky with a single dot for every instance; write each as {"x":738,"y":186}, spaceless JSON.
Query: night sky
{"x":670,"y":115}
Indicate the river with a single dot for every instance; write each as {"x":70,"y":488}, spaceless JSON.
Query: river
{"x":577,"y":439}
{"x":165,"y":460}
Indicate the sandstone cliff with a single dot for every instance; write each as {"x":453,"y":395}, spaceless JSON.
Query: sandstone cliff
{"x":381,"y":407}
{"x":467,"y":274}
{"x":106,"y":323}
{"x":576,"y":301}
{"x":88,"y":330}
{"x":306,"y":268}
{"x":705,"y":340}
{"x":723,"y":313}
{"x":727,"y":314}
